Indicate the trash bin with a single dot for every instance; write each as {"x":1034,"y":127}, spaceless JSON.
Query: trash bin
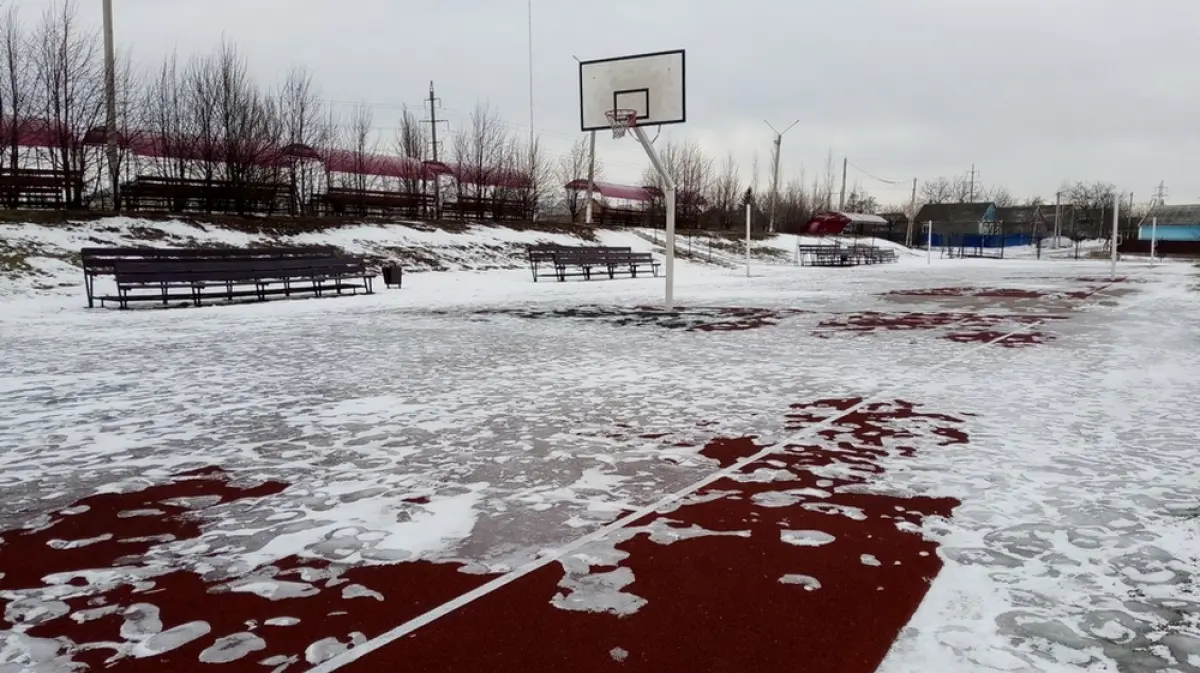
{"x":393,"y":275}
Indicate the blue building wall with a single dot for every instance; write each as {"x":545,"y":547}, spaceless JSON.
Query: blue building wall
{"x":982,"y":240}
{"x":1171,"y":232}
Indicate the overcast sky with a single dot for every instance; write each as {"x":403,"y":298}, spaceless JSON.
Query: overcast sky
{"x":1033,"y":92}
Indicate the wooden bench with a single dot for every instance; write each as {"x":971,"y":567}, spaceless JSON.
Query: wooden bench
{"x":177,"y":195}
{"x":38,"y":188}
{"x":197,"y":280}
{"x":821,"y":254}
{"x":98,"y":262}
{"x":481,"y":208}
{"x":562,"y":262}
{"x":339,"y":201}
{"x":621,"y":217}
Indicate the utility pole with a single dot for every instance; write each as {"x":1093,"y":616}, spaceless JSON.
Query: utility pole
{"x":972,"y":183}
{"x":591,"y":186}
{"x":775,"y":172}
{"x":842,"y":200}
{"x":912,"y":216}
{"x":110,"y":99}
{"x":437,"y":178}
{"x":532,"y":138}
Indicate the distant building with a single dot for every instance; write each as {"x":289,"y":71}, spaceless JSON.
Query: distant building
{"x":1028,"y":220}
{"x":1175,"y":223}
{"x":896,"y":228}
{"x":960,"y":218}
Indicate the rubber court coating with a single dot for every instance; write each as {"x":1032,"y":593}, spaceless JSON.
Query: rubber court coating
{"x":712,"y":602}
{"x":334,"y":602}
{"x":794,"y":575}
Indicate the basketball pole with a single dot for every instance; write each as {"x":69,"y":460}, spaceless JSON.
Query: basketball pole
{"x":1153,"y":239}
{"x":748,"y":238}
{"x":929,"y":244}
{"x":591,"y":177}
{"x":669,"y":185}
{"x":1113,"y":242}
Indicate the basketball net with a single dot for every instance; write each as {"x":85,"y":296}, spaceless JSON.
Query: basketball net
{"x":622,"y":120}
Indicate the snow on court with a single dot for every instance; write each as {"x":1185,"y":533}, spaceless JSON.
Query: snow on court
{"x":310,"y":446}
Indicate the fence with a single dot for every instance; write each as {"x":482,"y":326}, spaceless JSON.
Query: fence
{"x":1162,"y":248}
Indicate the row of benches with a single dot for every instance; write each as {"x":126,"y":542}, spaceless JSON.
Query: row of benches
{"x":38,"y":188}
{"x":839,"y":255}
{"x":193,"y":275}
{"x":562,"y":262}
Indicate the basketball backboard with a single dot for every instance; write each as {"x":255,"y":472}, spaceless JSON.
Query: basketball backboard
{"x":652,"y":84}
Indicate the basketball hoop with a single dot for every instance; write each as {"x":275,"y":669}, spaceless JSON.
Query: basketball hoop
{"x":622,"y":120}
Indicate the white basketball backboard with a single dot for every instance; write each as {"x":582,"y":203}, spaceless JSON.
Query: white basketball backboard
{"x":652,"y":84}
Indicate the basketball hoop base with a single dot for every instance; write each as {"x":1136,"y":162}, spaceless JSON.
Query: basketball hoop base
{"x":621,"y":120}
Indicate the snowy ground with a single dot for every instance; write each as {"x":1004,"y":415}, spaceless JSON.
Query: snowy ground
{"x":1075,"y":548}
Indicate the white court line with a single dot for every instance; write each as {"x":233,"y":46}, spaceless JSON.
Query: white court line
{"x":356,"y":653}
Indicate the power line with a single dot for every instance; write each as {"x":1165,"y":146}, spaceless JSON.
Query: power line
{"x":876,"y":177}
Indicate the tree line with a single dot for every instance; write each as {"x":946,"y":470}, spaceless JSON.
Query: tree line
{"x":207,"y":118}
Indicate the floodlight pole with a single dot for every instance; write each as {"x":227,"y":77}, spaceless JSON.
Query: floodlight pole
{"x":775,"y":171}
{"x":669,"y":185}
{"x":110,"y":107}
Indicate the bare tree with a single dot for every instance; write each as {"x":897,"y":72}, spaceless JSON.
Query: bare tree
{"x":249,"y":125}
{"x":797,"y":204}
{"x":828,"y":180}
{"x":413,"y":142}
{"x":574,"y":166}
{"x":15,"y":86}
{"x":1000,"y":196}
{"x":692,"y":171}
{"x":1093,"y":203}
{"x":965,"y":190}
{"x":726,"y":193}
{"x":360,"y":130}
{"x":67,"y":68}
{"x":859,"y":201}
{"x":937,"y":191}
{"x":302,"y":118}
{"x":479,"y":152}
{"x":164,"y":120}
{"x":528,"y":177}
{"x":201,"y":91}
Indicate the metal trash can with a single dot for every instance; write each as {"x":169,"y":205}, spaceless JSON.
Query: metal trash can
{"x":393,"y":275}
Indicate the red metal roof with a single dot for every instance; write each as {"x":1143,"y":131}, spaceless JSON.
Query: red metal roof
{"x":382,"y":165}
{"x":490,"y":177}
{"x":33,"y":133}
{"x":610,"y":190}
{"x":834,"y":223}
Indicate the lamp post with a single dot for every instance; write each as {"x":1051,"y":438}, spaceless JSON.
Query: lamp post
{"x":775,"y":171}
{"x":110,"y":100}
